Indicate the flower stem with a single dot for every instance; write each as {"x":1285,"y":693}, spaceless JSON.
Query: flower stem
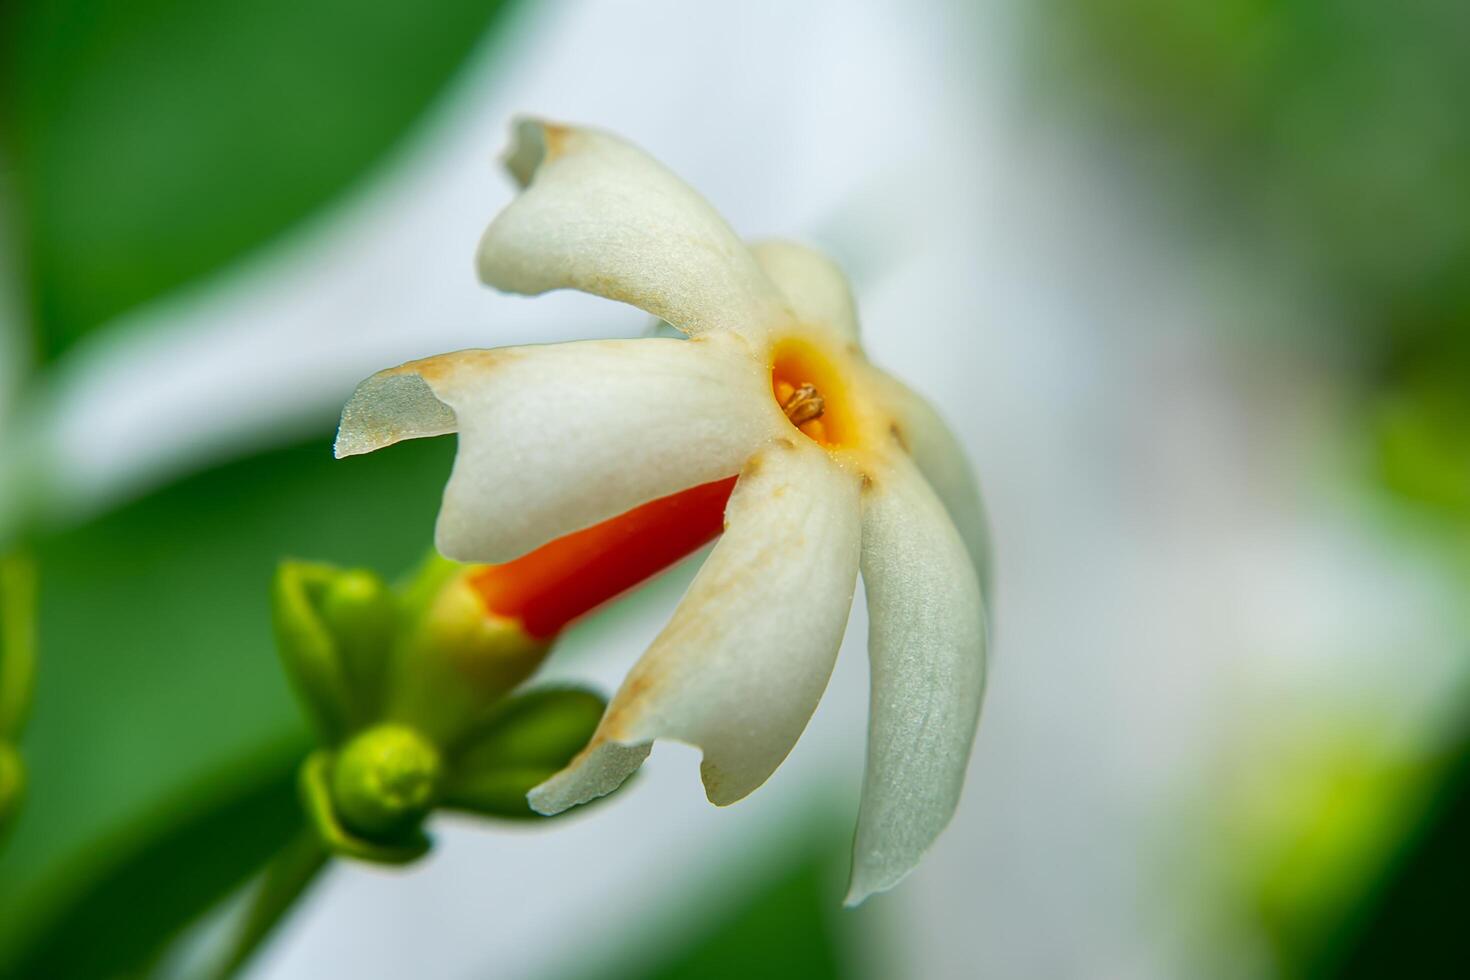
{"x":285,"y":880}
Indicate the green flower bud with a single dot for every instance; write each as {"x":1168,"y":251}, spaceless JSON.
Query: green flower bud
{"x":385,"y":780}
{"x":317,"y":799}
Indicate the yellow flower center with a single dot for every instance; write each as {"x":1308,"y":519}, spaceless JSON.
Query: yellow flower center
{"x":812,"y":393}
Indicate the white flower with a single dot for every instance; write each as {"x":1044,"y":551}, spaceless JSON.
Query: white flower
{"x":840,"y":468}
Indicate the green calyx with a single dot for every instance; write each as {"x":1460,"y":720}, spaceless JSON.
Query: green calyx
{"x":410,"y":692}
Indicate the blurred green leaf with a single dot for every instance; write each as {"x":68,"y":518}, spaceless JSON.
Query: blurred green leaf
{"x":17,"y":642}
{"x":154,"y":141}
{"x":1411,"y":921}
{"x":161,"y":669}
{"x":166,"y":872}
{"x":1422,"y":434}
{"x":17,"y":676}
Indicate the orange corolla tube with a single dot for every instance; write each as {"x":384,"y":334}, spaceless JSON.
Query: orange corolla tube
{"x":548,"y":588}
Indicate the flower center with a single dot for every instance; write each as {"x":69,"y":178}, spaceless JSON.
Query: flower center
{"x":811,"y":392}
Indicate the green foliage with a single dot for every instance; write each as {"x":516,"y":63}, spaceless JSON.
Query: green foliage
{"x":1410,"y":923}
{"x":1423,"y":440}
{"x":150,"y":880}
{"x":17,"y":642}
{"x":152,"y":142}
{"x":17,"y":676}
{"x":160,"y":675}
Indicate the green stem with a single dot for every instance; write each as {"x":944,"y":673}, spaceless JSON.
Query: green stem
{"x":285,"y":881}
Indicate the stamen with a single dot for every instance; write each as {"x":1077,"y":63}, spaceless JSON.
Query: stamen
{"x":804,"y":404}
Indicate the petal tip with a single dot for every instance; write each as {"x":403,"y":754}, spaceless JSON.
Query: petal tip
{"x":389,"y":407}
{"x":533,"y":142}
{"x":598,"y":771}
{"x":863,"y":884}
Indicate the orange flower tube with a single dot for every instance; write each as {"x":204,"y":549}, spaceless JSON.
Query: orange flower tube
{"x":558,"y":582}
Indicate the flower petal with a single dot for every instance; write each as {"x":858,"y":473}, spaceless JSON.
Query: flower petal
{"x":739,"y":669}
{"x":940,"y":457}
{"x":600,"y":215}
{"x":926,"y":645}
{"x":558,"y":437}
{"x":814,"y":286}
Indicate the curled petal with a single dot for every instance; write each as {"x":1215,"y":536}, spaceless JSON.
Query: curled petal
{"x":600,"y":215}
{"x":926,"y":645}
{"x":558,"y":437}
{"x":940,"y":457}
{"x":740,"y":668}
{"x":815,"y":287}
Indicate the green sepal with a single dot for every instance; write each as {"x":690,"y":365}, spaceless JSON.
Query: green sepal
{"x":527,"y":740}
{"x":316,"y":797}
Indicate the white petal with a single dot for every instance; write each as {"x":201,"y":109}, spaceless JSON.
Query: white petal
{"x":558,"y":437}
{"x":741,"y":666}
{"x":926,"y":644}
{"x":940,"y":457}
{"x":600,"y":215}
{"x":815,"y":287}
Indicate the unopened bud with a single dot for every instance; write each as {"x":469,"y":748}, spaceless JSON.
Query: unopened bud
{"x":385,"y":781}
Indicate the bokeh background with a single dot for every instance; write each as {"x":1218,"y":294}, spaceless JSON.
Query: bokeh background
{"x":1191,"y":280}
